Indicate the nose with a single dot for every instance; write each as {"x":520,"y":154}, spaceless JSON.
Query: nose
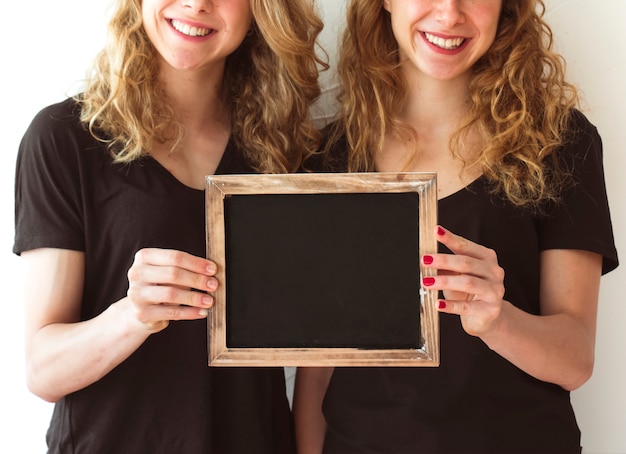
{"x":449,"y":12}
{"x":198,"y":6}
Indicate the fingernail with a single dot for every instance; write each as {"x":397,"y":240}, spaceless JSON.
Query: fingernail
{"x":207,"y":300}
{"x":203,"y":312}
{"x":442,"y":305}
{"x":211,"y":285}
{"x":440,"y":231}
{"x":428,"y":259}
{"x":428,"y":281}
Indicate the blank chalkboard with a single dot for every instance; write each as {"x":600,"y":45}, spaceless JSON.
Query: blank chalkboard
{"x":321,"y":269}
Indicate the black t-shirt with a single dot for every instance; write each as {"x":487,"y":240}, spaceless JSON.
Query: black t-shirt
{"x":476,"y":401}
{"x":164,"y":398}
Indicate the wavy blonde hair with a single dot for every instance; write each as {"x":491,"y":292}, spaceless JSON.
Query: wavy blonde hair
{"x":270,"y":81}
{"x":520,"y":101}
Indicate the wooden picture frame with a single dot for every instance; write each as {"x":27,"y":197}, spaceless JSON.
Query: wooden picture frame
{"x":322,"y":269}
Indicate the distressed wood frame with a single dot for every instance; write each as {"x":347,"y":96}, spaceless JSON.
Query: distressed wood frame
{"x":220,"y":187}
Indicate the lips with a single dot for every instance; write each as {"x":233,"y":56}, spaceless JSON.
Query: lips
{"x":189,"y":30}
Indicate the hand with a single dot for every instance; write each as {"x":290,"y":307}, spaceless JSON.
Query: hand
{"x":166,"y":285}
{"x":471,"y":280}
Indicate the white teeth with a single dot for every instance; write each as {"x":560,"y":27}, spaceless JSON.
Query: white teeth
{"x":447,"y":44}
{"x":185,"y":29}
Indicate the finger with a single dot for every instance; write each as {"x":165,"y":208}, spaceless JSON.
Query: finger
{"x":144,"y":296}
{"x":461,"y":285}
{"x":468,"y":258}
{"x":170,"y":275}
{"x":159,"y":313}
{"x":455,"y":307}
{"x":477,"y":317}
{"x":462,"y":246}
{"x":179,"y":259}
{"x":156,"y":318}
{"x":450,"y":264}
{"x":155,"y":327}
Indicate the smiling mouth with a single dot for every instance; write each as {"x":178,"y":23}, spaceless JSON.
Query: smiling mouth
{"x":188,"y":30}
{"x":447,"y":44}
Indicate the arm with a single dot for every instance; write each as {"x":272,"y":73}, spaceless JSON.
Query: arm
{"x":310,"y":387}
{"x":64,"y":354}
{"x":556,"y":346}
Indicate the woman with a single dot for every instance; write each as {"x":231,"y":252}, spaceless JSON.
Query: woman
{"x":473,"y":91}
{"x":110,"y":222}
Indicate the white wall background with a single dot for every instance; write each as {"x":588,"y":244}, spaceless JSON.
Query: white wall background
{"x":48,"y":45}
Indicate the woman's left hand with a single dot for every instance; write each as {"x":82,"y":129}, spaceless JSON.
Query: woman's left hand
{"x":471,"y":280}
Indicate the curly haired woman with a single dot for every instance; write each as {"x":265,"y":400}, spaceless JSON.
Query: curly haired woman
{"x":110,"y":223}
{"x":472,"y":90}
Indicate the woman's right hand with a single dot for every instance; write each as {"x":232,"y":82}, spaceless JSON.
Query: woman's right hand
{"x":165,"y":284}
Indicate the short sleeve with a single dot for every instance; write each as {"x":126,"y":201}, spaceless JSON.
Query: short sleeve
{"x":47,"y":182}
{"x":582,"y":220}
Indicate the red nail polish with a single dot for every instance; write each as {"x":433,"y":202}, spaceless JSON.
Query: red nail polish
{"x":441,"y":305}
{"x":428,"y":281}
{"x":440,"y":231}
{"x":428,"y":259}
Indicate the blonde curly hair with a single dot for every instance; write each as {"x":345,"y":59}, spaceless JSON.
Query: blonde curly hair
{"x":270,"y":82}
{"x":520,"y":101}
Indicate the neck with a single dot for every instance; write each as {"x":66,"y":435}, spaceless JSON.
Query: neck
{"x":434,"y":109}
{"x":196,"y":96}
{"x":435,"y":104}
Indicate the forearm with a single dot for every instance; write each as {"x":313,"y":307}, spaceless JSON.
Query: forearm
{"x":65,"y":354}
{"x":310,"y":388}
{"x":65,"y":357}
{"x":552,"y":348}
{"x":556,"y":346}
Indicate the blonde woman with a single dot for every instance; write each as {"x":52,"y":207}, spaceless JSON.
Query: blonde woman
{"x":110,"y":223}
{"x":472,"y":90}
